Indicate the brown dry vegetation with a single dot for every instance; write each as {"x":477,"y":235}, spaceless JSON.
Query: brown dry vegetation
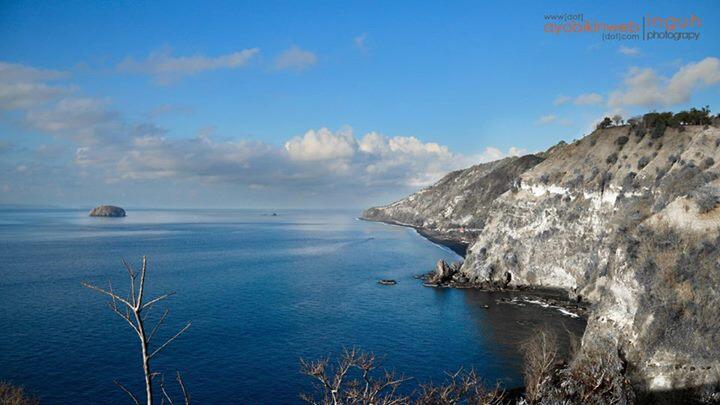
{"x":357,"y":377}
{"x":13,"y":395}
{"x":541,"y":355}
{"x":594,"y":376}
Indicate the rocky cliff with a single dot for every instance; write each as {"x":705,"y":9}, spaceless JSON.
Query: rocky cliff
{"x":626,"y":218}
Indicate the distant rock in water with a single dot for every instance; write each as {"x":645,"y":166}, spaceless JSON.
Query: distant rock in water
{"x":107,"y":211}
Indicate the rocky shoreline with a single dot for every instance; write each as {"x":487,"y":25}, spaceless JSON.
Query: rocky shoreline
{"x":449,"y":276}
{"x":458,"y":246}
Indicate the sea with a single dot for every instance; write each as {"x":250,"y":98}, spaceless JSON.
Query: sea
{"x":262,"y":290}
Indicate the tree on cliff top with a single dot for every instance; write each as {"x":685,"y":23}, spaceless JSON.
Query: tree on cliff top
{"x":605,"y":123}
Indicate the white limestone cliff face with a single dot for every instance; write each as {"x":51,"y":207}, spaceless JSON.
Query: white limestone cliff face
{"x":619,"y":218}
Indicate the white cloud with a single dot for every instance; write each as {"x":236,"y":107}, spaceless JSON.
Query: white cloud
{"x":375,"y":159}
{"x":560,"y":100}
{"x":588,"y":99}
{"x":547,"y":119}
{"x":582,"y":99}
{"x":321,"y":145}
{"x":165,"y":68}
{"x":373,"y":143}
{"x":295,"y":58}
{"x":25,"y":86}
{"x":14,"y":73}
{"x":644,"y":87}
{"x":629,"y":51}
{"x":515,"y":151}
{"x":82,"y":119}
{"x":320,"y":160}
{"x":490,"y":154}
{"x":23,"y":95}
{"x":406,"y":160}
{"x":553,"y":119}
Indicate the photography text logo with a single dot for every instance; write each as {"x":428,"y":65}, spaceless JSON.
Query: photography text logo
{"x":647,"y":28}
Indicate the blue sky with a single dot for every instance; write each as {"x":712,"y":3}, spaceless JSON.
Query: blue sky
{"x":257,"y":104}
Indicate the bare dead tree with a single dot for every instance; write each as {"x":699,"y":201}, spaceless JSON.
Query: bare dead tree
{"x":541,"y":354}
{"x":133,"y":310}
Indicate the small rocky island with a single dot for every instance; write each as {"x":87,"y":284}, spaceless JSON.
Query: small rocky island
{"x":107,"y":211}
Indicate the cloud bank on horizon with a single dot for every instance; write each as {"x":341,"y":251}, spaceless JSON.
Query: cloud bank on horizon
{"x":108,"y":150}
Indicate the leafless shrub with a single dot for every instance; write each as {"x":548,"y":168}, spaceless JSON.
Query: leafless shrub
{"x":358,"y":378}
{"x":597,"y":377}
{"x":574,"y":341}
{"x":14,"y":395}
{"x":460,"y":387}
{"x":541,"y":354}
{"x":133,"y":310}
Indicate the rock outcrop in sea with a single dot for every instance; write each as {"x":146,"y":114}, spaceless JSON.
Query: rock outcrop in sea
{"x":107,"y":211}
{"x":626,"y":219}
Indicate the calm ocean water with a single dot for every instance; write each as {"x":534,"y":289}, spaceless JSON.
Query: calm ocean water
{"x":261,"y":292}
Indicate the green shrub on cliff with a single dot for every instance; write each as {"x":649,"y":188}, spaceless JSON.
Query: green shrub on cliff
{"x":605,"y":123}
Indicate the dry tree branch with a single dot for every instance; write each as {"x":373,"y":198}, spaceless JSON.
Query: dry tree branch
{"x":169,"y":340}
{"x":113,"y":296}
{"x":127,"y":391}
{"x":165,"y":394}
{"x":160,"y":298}
{"x":157,"y":325}
{"x":136,"y":315}
{"x":186,"y":396}
{"x":362,"y":381}
{"x":132,"y":275}
{"x":353,"y":379}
